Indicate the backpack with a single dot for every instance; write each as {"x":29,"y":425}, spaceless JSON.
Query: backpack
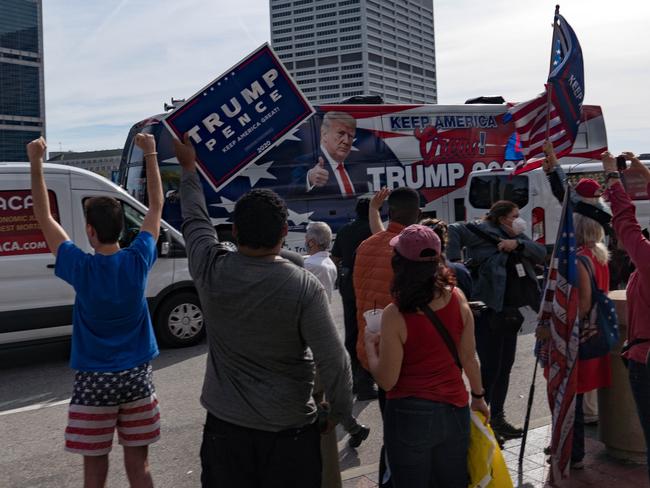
{"x":599,"y":332}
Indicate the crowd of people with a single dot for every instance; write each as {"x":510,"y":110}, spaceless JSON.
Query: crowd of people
{"x":279,"y":377}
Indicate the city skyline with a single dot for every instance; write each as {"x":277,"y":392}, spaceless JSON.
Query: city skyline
{"x":346,"y":48}
{"x":112,"y":64}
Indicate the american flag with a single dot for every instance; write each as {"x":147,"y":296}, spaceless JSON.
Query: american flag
{"x":565,"y":88}
{"x":559,"y":312}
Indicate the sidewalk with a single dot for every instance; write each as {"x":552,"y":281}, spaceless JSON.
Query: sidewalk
{"x":600,"y":469}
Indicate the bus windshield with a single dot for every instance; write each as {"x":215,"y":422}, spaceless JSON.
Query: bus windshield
{"x":170,"y":171}
{"x":485,"y":190}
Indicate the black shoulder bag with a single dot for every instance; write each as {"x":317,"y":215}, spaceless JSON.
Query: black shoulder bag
{"x":444,"y":333}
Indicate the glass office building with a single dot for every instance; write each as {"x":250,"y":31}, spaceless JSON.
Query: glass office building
{"x":337,"y":49}
{"x":22,"y":101}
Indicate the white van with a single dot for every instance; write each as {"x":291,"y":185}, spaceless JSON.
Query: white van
{"x":35,"y":305}
{"x":531,"y":191}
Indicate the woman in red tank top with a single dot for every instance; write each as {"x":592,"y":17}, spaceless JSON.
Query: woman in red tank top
{"x":426,"y":419}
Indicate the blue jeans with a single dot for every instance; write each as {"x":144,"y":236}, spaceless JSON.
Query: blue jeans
{"x":640,"y":384}
{"x":426,"y":443}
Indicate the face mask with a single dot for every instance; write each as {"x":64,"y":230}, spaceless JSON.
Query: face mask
{"x":519,"y":225}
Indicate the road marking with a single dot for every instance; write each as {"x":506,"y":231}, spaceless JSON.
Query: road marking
{"x":36,"y":406}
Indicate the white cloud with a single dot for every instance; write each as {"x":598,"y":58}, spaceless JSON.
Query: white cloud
{"x":109,"y":64}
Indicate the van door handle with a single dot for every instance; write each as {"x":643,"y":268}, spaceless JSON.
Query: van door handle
{"x":51,"y":266}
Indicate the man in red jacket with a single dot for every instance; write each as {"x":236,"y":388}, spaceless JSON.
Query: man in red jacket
{"x":373,"y":275}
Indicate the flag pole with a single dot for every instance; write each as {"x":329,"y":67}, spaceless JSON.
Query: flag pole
{"x":531,"y":392}
{"x":549,"y":87}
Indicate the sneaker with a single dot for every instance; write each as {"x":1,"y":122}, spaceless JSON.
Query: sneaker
{"x":500,"y":440}
{"x":360,"y":435}
{"x":505,"y":429}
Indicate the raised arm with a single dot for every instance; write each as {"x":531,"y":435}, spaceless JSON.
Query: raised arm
{"x":624,"y":220}
{"x":374,"y":210}
{"x":332,"y":361}
{"x":553,"y":172}
{"x":200,"y":237}
{"x":151,"y":222}
{"x":53,"y":232}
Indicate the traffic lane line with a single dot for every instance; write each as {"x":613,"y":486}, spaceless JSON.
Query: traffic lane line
{"x":36,"y":406}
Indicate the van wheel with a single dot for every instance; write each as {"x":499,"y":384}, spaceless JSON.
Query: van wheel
{"x":179,"y":320}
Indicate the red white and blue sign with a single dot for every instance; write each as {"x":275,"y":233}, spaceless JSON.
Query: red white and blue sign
{"x":240,"y":116}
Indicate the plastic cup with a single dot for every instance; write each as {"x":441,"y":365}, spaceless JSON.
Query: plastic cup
{"x":373,"y":319}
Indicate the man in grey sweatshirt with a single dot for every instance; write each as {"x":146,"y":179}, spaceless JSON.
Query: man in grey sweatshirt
{"x":268,"y":325}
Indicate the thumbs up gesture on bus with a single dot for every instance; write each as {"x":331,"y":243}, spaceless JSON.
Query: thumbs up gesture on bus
{"x":318,"y":175}
{"x":185,"y":153}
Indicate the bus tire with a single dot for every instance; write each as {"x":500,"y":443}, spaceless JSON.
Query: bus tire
{"x":180,"y":320}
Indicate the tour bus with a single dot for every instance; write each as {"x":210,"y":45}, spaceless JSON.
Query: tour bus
{"x":35,"y":305}
{"x":531,"y":192}
{"x":431,"y":148}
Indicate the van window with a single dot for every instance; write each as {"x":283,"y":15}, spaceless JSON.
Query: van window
{"x":132,"y":222}
{"x":485,"y":190}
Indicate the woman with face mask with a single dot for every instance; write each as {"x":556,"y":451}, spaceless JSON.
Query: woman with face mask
{"x":502,"y":259}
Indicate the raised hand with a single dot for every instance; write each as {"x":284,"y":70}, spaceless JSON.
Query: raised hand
{"x":146,"y":142}
{"x":551,"y":160}
{"x":185,"y":153}
{"x":609,"y":162}
{"x":378,"y":198}
{"x":636,"y":163}
{"x":36,"y":150}
{"x":318,"y":175}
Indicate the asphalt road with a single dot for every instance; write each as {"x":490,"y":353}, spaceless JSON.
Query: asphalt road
{"x":35,"y":386}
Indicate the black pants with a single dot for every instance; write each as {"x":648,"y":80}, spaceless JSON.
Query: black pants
{"x":496,"y":350}
{"x":234,"y":456}
{"x":381,"y":397}
{"x":350,"y":321}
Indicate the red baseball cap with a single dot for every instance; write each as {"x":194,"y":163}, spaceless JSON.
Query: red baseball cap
{"x":414,"y":240}
{"x":587,"y":188}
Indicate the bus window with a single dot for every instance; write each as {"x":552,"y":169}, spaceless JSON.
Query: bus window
{"x":136,"y":183}
{"x":485,"y":190}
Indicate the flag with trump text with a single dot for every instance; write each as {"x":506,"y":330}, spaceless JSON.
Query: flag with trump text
{"x":556,"y":112}
{"x":559,"y":312}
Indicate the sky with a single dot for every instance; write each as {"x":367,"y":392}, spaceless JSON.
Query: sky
{"x":112,"y":63}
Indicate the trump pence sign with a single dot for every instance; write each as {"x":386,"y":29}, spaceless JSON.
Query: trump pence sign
{"x":240,"y":116}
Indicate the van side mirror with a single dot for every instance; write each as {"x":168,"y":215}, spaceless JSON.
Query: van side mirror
{"x":163,"y":243}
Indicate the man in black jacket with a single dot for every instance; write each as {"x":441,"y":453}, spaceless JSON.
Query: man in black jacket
{"x":347,"y":240}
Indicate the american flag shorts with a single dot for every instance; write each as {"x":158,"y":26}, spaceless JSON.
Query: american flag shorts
{"x":104,"y":401}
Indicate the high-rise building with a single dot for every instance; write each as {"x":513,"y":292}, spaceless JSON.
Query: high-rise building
{"x":22,"y":99}
{"x":335,"y":49}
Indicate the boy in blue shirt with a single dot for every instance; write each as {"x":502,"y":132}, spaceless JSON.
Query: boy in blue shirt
{"x":112,"y":337}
